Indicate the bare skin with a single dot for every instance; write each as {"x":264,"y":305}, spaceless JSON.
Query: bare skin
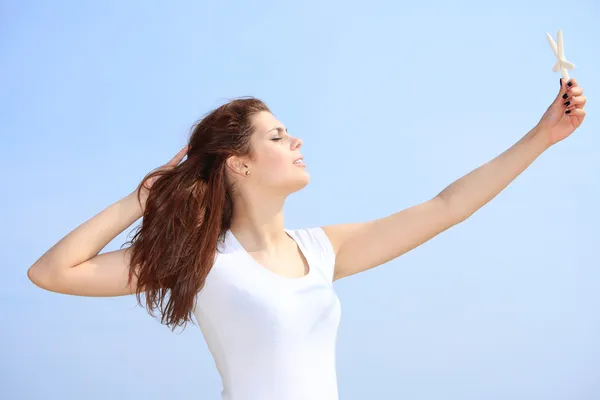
{"x":74,"y":266}
{"x":365,"y":245}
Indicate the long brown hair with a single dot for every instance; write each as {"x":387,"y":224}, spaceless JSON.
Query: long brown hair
{"x":187,"y":211}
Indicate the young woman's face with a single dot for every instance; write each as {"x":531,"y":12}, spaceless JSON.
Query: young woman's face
{"x":275,"y":164}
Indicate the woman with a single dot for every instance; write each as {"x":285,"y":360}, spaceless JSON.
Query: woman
{"x":212,"y":245}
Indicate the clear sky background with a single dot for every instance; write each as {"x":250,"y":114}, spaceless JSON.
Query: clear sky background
{"x":394,"y":101}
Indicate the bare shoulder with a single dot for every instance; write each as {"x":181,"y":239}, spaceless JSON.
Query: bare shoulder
{"x":338,"y":234}
{"x":360,"y":246}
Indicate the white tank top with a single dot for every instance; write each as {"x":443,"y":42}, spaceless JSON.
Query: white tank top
{"x":272,"y":337}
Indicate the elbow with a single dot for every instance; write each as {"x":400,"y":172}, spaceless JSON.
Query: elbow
{"x":459,"y":216}
{"x":35,"y":276}
{"x":453,"y":213}
{"x":42,"y":277}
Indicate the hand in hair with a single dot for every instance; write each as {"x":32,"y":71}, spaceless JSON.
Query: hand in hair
{"x":143,"y":189}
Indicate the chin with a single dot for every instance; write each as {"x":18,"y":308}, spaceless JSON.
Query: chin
{"x":299,"y":184}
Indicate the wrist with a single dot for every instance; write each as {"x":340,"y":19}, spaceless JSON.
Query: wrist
{"x":133,"y":204}
{"x":539,"y":138}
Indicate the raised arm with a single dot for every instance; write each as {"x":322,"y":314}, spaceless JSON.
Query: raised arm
{"x":361,"y":246}
{"x":74,"y":265}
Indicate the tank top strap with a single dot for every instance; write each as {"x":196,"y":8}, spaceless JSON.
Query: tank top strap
{"x":316,"y":243}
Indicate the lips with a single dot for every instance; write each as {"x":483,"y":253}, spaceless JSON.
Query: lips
{"x":299,"y":161}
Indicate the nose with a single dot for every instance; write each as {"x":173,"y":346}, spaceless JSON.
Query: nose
{"x":297,"y":143}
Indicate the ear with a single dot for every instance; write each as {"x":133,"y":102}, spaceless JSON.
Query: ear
{"x":237,"y":165}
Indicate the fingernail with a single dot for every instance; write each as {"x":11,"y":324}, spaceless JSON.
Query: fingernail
{"x":570,"y":84}
{"x":565,"y":96}
{"x":567,"y":112}
{"x":567,"y":103}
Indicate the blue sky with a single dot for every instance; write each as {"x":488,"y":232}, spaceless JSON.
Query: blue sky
{"x":394,"y":101}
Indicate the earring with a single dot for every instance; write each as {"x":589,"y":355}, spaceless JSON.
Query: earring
{"x":247,"y":172}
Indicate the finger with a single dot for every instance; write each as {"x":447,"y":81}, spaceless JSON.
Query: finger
{"x":572,"y":92}
{"x":573,"y":102}
{"x":576,"y":112}
{"x":575,"y":91}
{"x":178,"y":157}
{"x":576,"y":102}
{"x":566,"y":87}
{"x":563,"y":89}
{"x":571,"y":83}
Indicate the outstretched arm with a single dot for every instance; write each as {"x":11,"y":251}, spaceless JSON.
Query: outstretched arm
{"x":361,"y":246}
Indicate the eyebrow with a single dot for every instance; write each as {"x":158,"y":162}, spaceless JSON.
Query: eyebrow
{"x":277,"y":128}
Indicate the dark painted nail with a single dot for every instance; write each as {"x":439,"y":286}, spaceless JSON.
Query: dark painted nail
{"x":567,"y":103}
{"x":565,"y":96}
{"x":570,"y":84}
{"x":567,"y":112}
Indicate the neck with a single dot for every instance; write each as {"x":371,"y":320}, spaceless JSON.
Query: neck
{"x":259,"y":223}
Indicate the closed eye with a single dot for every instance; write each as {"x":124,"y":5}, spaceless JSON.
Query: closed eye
{"x":281,"y":131}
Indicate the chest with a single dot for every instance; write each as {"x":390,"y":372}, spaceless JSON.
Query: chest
{"x":292,"y":264}
{"x":243,"y":297}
